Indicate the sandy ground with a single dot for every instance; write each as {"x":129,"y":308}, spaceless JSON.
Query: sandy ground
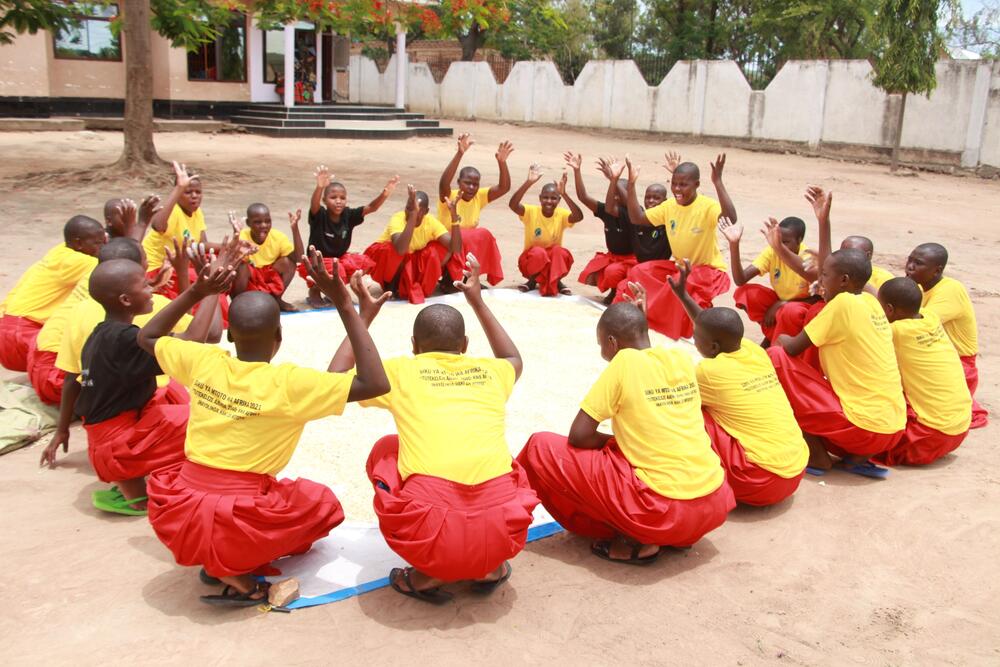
{"x":848,"y":571}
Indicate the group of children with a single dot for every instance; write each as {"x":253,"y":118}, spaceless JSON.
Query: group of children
{"x":116,"y":325}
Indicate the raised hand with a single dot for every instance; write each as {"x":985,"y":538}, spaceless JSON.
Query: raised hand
{"x":732,"y":231}
{"x":49,"y":453}
{"x":573,"y":160}
{"x":162,"y":278}
{"x":811,"y":261}
{"x":214,"y":279}
{"x":452,"y":204}
{"x":470,"y":286}
{"x":636,"y":295}
{"x":633,"y":170}
{"x":534,"y":173}
{"x":464,"y":142}
{"x":821,"y":201}
{"x":236,"y":222}
{"x":680,"y":286}
{"x":561,"y":185}
{"x":772,"y":233}
{"x":233,"y":251}
{"x":604,"y":166}
{"x":149,"y":207}
{"x":323,"y":176}
{"x":295,"y":218}
{"x":616,"y":168}
{"x":672,"y":159}
{"x":368,"y":305}
{"x":504,"y":151}
{"x":182,"y":176}
{"x":179,"y":257}
{"x":411,"y":197}
{"x":328,"y":282}
{"x":391,"y":185}
{"x":717,"y":167}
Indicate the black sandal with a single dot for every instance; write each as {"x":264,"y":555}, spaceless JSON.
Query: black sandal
{"x":487,"y":587}
{"x":232,"y":597}
{"x":432,"y":595}
{"x":602,"y":549}
{"x":565,"y":291}
{"x":208,"y":579}
{"x":528,"y":286}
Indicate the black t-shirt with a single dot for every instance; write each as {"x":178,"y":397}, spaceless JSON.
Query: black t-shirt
{"x":117,"y":376}
{"x":617,"y":235}
{"x":331,"y":238}
{"x":650,"y":242}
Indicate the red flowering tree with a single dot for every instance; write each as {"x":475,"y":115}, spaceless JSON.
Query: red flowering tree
{"x":471,"y":21}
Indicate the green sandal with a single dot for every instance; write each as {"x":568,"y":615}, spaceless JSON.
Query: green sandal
{"x":114,"y":502}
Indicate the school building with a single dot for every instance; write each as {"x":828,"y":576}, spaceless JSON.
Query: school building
{"x":240,"y":76}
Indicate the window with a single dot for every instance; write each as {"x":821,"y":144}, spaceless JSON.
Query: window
{"x":225,"y":58}
{"x":274,"y":55}
{"x":89,"y":37}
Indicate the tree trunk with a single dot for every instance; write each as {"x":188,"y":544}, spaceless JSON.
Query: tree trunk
{"x":894,"y":164}
{"x":472,"y":42}
{"x":139,"y":151}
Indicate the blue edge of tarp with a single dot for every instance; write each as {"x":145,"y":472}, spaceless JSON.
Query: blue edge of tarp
{"x":534,"y":533}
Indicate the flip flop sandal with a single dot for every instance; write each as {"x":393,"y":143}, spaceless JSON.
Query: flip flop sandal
{"x":117,"y":504}
{"x":208,"y":579}
{"x":106,"y":495}
{"x":866,"y":469}
{"x":231,"y":597}
{"x":603,"y":550}
{"x":487,"y":587}
{"x":815,"y":472}
{"x":433,"y":595}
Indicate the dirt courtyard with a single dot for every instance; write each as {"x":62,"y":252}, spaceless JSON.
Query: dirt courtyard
{"x":847,"y":571}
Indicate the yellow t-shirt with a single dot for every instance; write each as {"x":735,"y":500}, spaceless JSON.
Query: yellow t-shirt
{"x":742,"y":393}
{"x":879,"y":276}
{"x":469,"y":211}
{"x":275,"y":246}
{"x":247,"y":416}
{"x":430,"y":229}
{"x":51,"y":333}
{"x":856,"y":352}
{"x":541,"y":231}
{"x":949,"y":300}
{"x":85,"y":317}
{"x":45,"y":284}
{"x":933,"y":379}
{"x":450,"y":411}
{"x":784,"y":280}
{"x":652,"y":399}
{"x":180,"y":226}
{"x":691,"y":229}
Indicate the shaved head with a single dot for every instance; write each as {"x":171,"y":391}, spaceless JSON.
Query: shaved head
{"x":121,"y":248}
{"x":80,"y":226}
{"x":254,"y":316}
{"x":853,"y":263}
{"x":112,"y":278}
{"x":109,"y":207}
{"x":423,"y":201}
{"x":258,"y":208}
{"x":550,"y":187}
{"x":469,"y":172}
{"x":723,"y":326}
{"x":935,"y":252}
{"x":439,"y":328}
{"x":796,"y":226}
{"x":333,"y":186}
{"x":625,"y":321}
{"x":688,"y":169}
{"x":862,"y":243}
{"x":656,"y":189}
{"x":902,"y":294}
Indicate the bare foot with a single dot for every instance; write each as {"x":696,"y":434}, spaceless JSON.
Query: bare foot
{"x":286,"y":307}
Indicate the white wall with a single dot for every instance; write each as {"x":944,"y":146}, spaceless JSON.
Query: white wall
{"x":809,"y":103}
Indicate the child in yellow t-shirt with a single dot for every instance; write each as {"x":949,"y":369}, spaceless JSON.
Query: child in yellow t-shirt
{"x":544,"y":261}
{"x":939,"y":404}
{"x":854,"y":408}
{"x":40,"y":290}
{"x":656,"y":481}
{"x":690,"y":221}
{"x":747,"y":414}
{"x":180,"y":219}
{"x":949,"y":299}
{"x":865,"y":245}
{"x":271,"y":267}
{"x":782,"y":307}
{"x":471,"y":200}
{"x":222,"y":508}
{"x":450,"y":460}
{"x":415,"y":252}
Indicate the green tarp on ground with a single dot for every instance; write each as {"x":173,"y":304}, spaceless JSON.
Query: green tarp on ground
{"x":23,"y":418}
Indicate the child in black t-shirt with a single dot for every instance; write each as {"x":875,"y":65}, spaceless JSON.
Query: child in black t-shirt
{"x":331,"y":224}
{"x":132,"y":427}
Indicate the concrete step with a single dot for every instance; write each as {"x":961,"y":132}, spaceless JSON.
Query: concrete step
{"x":350,"y":132}
{"x":294,"y":115}
{"x":278,"y":121}
{"x":328,"y":108}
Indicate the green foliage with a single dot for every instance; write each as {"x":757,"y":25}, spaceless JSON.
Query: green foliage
{"x":614,"y":26}
{"x":908,"y":43}
{"x":30,"y":16}
{"x":535,"y":29}
{"x":980,"y":32}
